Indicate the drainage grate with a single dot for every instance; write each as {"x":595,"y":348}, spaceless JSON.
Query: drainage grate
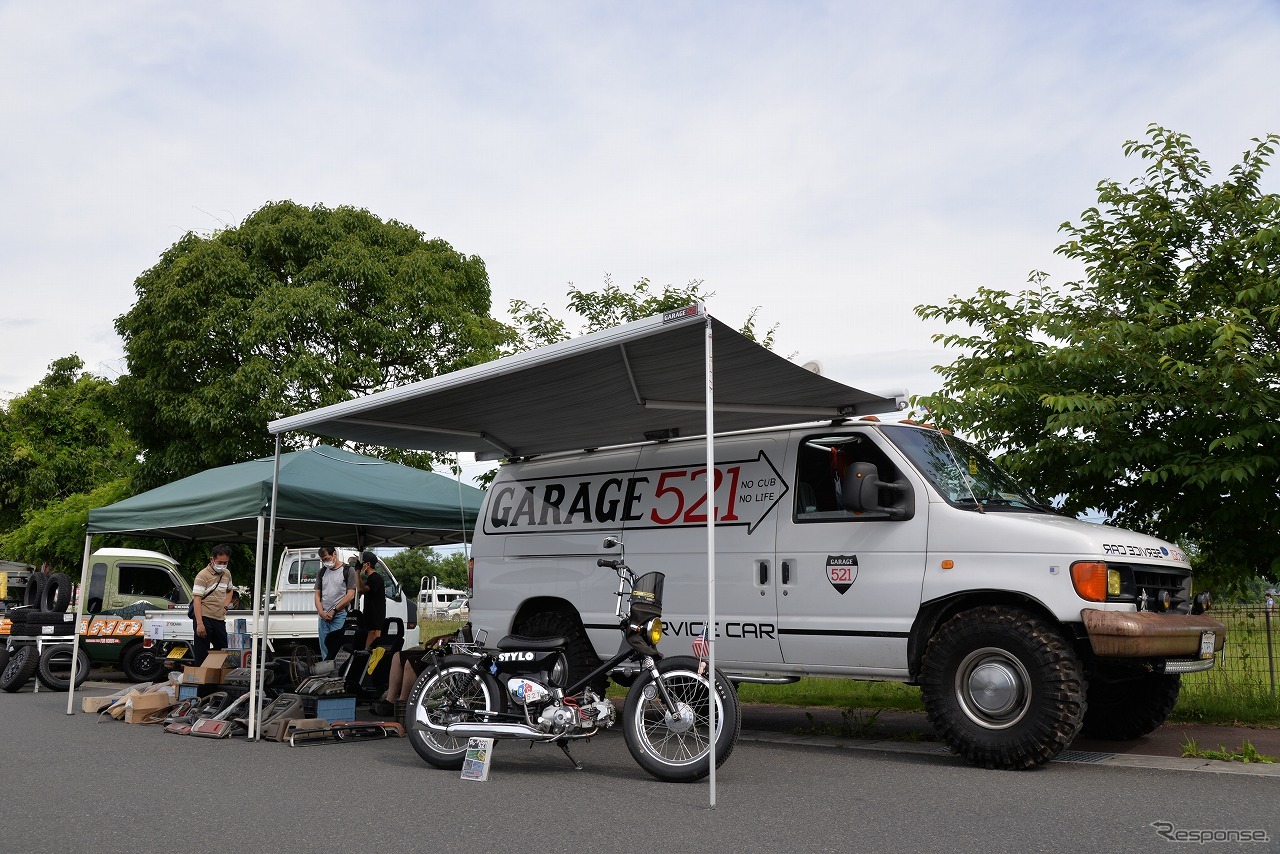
{"x":1082,"y":756}
{"x":1066,"y":755}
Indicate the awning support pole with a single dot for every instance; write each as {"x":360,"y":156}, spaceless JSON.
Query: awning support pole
{"x":711,"y":559}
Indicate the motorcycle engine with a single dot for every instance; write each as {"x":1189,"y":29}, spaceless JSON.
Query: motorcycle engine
{"x":557,"y":718}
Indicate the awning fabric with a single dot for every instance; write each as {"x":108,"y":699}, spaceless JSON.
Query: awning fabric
{"x":645,"y":379}
{"x":326,"y":495}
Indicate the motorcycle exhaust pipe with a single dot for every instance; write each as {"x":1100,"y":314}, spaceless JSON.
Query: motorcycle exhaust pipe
{"x":496,"y":730}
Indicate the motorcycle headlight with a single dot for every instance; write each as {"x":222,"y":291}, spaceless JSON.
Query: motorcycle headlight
{"x":560,"y":672}
{"x":654,"y":631}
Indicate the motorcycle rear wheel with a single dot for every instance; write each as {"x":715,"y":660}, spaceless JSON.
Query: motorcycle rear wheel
{"x":676,"y":747}
{"x":449,"y":693}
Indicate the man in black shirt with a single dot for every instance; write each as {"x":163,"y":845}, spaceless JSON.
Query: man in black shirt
{"x":374,"y":590}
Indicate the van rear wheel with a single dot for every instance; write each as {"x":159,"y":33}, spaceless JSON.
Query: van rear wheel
{"x":582,"y":658}
{"x":1003,"y":688}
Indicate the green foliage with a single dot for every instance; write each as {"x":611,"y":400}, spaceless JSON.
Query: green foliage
{"x":1149,"y":389}
{"x":61,"y":437}
{"x":295,"y":309}
{"x":55,"y":532}
{"x":1246,"y":752}
{"x":612,"y":305}
{"x":410,"y":565}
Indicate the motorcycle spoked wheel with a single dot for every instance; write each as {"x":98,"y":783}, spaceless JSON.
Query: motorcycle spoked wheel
{"x":676,"y":747}
{"x":446,"y":694}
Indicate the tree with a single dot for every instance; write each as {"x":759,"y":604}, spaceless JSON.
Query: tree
{"x":1150,"y":388}
{"x":536,"y":326}
{"x":60,"y":438}
{"x":295,"y":309}
{"x":412,"y":565}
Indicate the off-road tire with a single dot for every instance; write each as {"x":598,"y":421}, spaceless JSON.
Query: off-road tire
{"x":17,"y":672}
{"x":1124,"y":709}
{"x":54,"y":667}
{"x":57,"y":593}
{"x":1003,"y":688}
{"x":142,"y":664}
{"x":35,"y":589}
{"x":582,"y":658}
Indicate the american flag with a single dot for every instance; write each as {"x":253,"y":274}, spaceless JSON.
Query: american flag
{"x":700,"y":646}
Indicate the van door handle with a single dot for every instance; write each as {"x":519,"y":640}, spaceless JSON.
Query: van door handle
{"x":786,"y":572}
{"x":764,"y":572}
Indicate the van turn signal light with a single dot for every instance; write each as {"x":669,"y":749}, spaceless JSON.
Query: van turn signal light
{"x":1093,"y":581}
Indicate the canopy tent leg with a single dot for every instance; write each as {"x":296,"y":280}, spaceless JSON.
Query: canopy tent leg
{"x":75,"y":632}
{"x":255,"y":648}
{"x":260,"y":628}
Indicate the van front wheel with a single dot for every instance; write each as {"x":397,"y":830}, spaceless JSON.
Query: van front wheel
{"x":1003,"y":688}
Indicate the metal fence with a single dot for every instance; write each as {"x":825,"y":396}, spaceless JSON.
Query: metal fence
{"x":1246,"y":666}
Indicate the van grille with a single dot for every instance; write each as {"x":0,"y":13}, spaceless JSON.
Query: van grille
{"x":1139,"y":579}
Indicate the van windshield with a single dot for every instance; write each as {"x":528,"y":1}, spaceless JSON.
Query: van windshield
{"x":962,"y":474}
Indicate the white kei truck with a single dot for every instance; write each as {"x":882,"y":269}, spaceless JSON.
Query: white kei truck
{"x":292,"y":620}
{"x":864,"y":550}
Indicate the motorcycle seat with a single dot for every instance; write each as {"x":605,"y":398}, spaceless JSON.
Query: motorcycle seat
{"x":532,"y":644}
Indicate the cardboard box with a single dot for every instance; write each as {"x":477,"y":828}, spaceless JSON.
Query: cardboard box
{"x":93,"y":705}
{"x":141,"y":705}
{"x":216,"y":665}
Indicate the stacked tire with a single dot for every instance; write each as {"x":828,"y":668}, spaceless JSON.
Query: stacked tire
{"x":43,"y":614}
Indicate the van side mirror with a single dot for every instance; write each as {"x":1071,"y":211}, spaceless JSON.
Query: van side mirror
{"x":860,"y":491}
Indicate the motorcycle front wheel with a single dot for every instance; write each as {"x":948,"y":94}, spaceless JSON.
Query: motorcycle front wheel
{"x":673,"y":743}
{"x":449,"y":693}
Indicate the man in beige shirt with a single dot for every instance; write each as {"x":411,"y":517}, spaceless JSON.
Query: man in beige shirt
{"x":212,"y":596}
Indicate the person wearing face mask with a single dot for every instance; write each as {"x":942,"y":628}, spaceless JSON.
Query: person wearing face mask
{"x":335,"y":591}
{"x":212,"y":592}
{"x":374,"y":590}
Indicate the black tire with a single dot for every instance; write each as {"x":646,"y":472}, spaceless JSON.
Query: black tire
{"x":678,"y":751}
{"x":449,"y":693}
{"x":17,"y":672}
{"x":582,"y":657}
{"x":54,"y":667}
{"x":4,"y":654}
{"x":1002,"y":688}
{"x":1122,"y":709}
{"x":142,"y":664}
{"x":57,"y":594}
{"x":35,"y":589}
{"x":45,"y":618}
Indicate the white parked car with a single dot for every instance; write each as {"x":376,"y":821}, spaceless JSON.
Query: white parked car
{"x":458,"y":609}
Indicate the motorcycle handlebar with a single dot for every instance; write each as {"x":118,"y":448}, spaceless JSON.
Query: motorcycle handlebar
{"x":604,"y":561}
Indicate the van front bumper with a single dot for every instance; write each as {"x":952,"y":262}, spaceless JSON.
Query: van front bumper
{"x":1146,"y":634}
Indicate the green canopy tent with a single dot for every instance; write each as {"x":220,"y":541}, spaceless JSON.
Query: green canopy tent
{"x":325,"y":495}
{"x":321,"y":495}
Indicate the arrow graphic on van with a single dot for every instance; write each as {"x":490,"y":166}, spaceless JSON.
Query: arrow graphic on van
{"x":746,"y":491}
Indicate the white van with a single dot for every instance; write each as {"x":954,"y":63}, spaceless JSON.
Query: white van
{"x":864,"y":550}
{"x":434,"y":600}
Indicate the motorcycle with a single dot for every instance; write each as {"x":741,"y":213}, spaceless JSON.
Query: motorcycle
{"x":519,"y":690}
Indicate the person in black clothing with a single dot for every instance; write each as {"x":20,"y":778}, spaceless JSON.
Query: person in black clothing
{"x":374,"y":590}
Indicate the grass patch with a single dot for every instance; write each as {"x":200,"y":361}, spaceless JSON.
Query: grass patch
{"x":835,"y":693}
{"x":1245,"y":753}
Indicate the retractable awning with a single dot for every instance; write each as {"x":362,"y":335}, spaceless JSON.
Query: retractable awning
{"x":645,"y":379}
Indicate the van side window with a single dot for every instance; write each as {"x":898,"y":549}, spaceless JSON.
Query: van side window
{"x":821,"y":464}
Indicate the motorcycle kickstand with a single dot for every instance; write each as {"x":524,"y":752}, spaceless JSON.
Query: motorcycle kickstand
{"x":564,"y":745}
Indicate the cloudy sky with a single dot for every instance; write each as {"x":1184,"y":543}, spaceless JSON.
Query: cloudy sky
{"x":835,"y":164}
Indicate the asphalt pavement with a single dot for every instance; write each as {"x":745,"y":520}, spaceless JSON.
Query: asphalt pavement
{"x":81,"y":783}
